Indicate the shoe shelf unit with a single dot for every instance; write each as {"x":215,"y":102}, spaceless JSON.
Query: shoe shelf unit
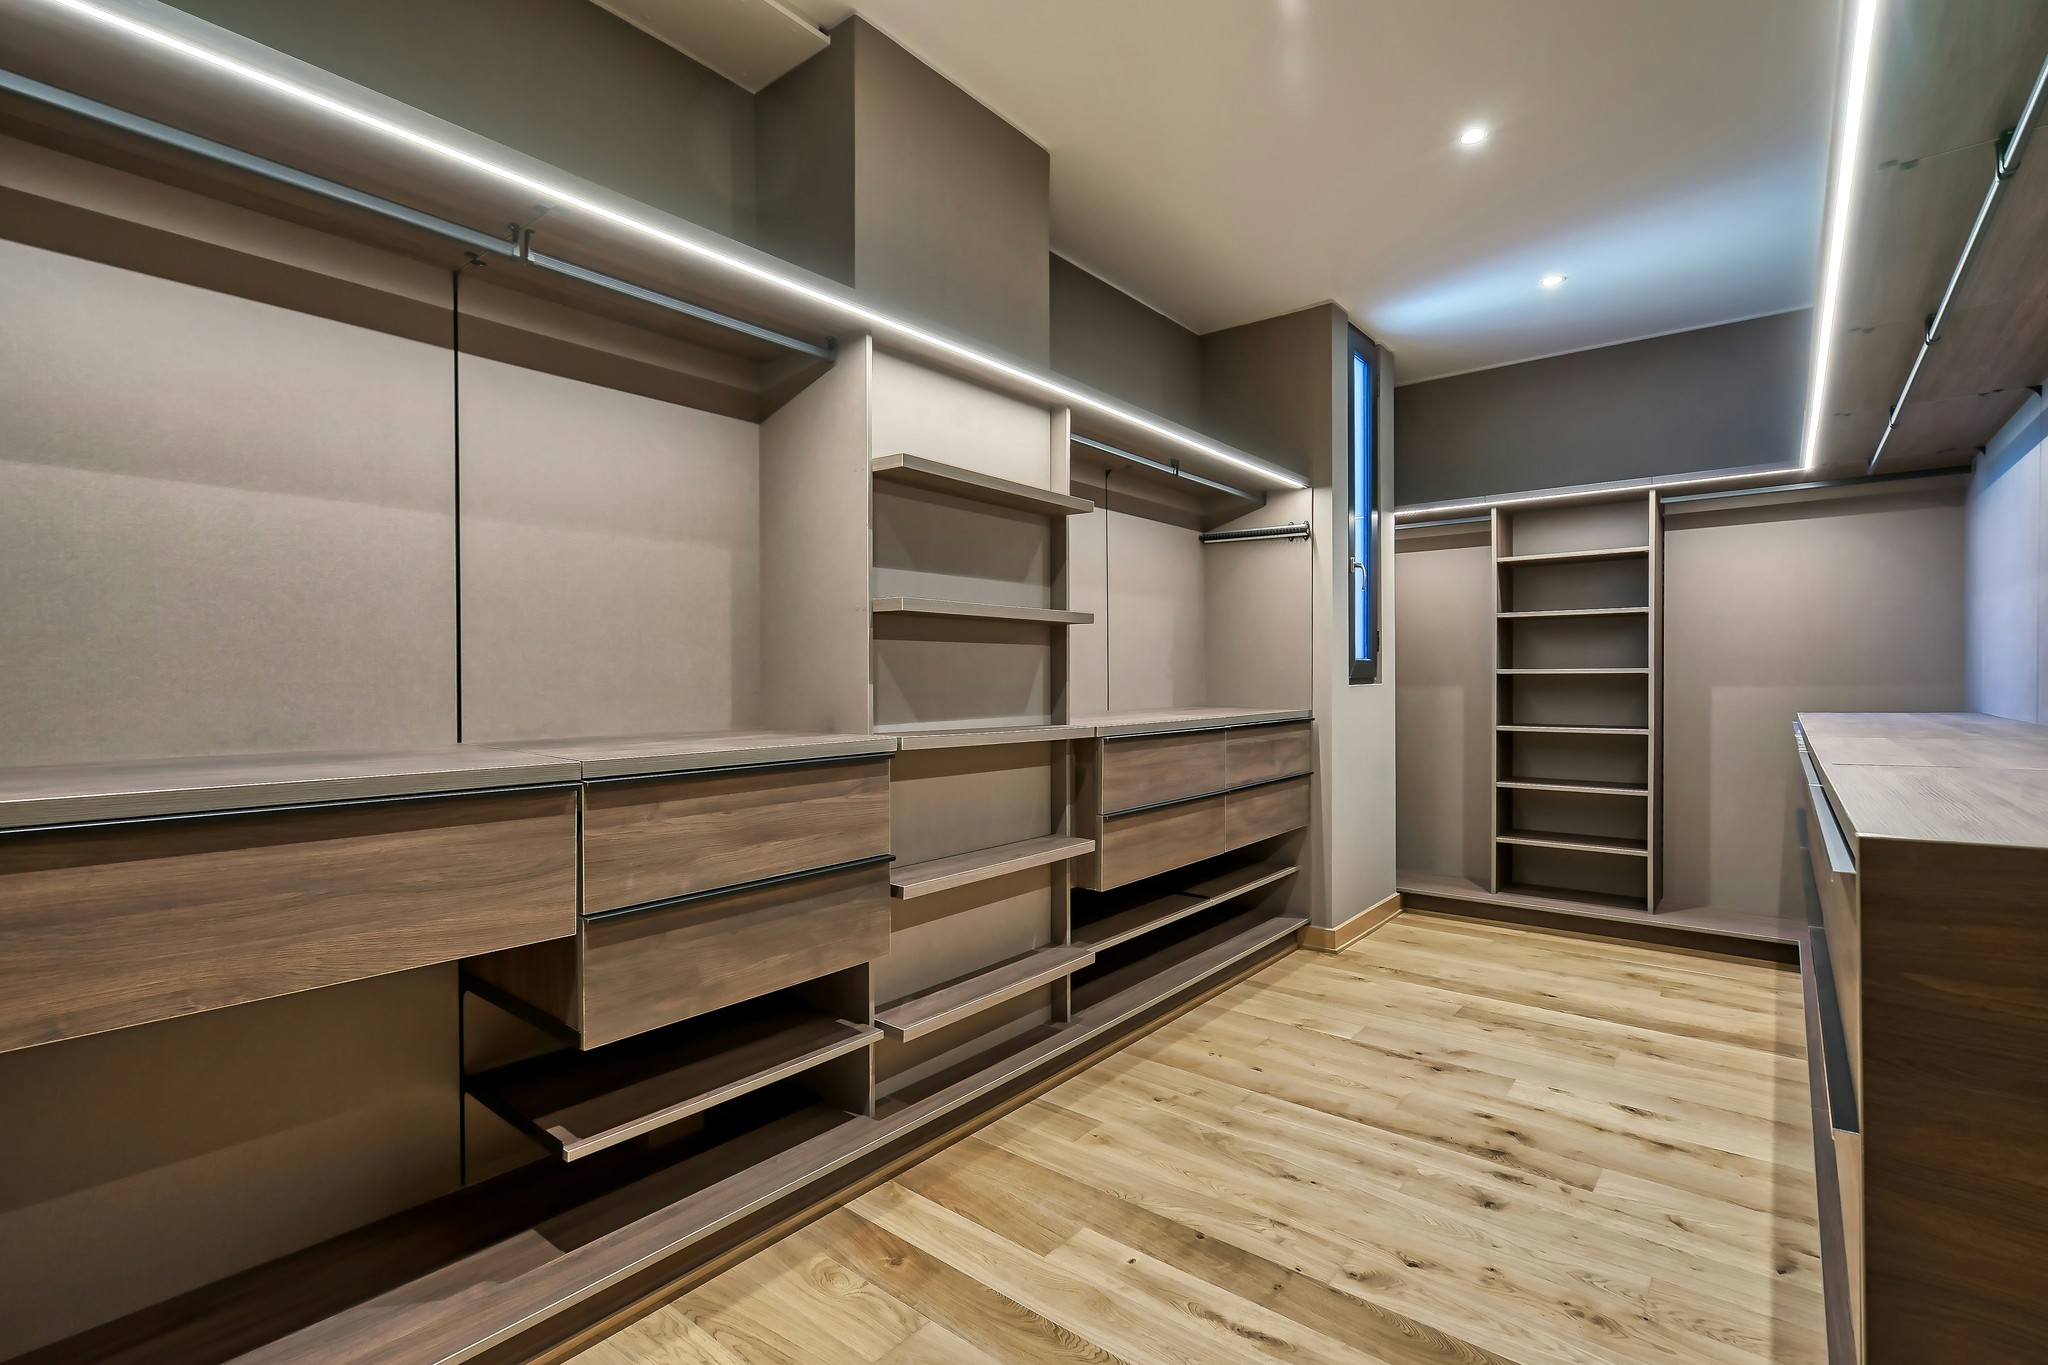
{"x":1578,"y":665}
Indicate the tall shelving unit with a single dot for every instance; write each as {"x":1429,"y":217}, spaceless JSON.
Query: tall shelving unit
{"x":1578,"y":677}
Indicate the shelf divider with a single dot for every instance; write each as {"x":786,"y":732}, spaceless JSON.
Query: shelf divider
{"x":916,"y":1015}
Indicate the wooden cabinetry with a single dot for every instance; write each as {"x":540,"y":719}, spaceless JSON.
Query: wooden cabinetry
{"x":1161,"y":799}
{"x":163,"y":911}
{"x":1929,"y":840}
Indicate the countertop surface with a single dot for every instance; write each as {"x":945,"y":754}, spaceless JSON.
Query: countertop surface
{"x":1952,"y":777}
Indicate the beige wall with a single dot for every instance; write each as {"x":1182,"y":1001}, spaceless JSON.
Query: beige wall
{"x":1827,"y":604}
{"x":224,"y":526}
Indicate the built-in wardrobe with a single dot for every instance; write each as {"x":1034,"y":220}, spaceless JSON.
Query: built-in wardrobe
{"x":535,"y":766}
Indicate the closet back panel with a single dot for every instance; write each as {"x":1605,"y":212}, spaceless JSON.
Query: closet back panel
{"x":611,"y":561}
{"x":1256,"y":646}
{"x":931,"y":545}
{"x":961,"y":672}
{"x":1578,"y":526}
{"x":1581,"y":700}
{"x":1575,"y":758}
{"x":919,"y":411}
{"x":948,"y":801}
{"x":1576,"y":642}
{"x":953,"y":933}
{"x":1444,"y":706}
{"x":1157,"y":643}
{"x":224,"y":526}
{"x":1592,"y":583}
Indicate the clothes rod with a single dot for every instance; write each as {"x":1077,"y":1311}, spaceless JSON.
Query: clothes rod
{"x":279,"y":173}
{"x":2002,"y":170}
{"x":1172,"y":470}
{"x":1293,"y":530}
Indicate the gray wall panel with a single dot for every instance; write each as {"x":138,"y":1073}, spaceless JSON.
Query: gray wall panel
{"x":1108,"y":340}
{"x":611,"y":561}
{"x":224,"y":527}
{"x":561,"y":80}
{"x":1713,"y":398}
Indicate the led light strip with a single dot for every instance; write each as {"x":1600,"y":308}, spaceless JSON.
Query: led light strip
{"x":1855,"y":112}
{"x":562,"y":197}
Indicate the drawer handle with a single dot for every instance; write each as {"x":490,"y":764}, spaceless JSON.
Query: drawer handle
{"x":733,"y":890}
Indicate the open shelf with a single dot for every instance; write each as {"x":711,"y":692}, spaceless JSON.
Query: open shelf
{"x":979,"y":611}
{"x":916,"y":1015}
{"x":914,"y":471}
{"x":1217,"y":939}
{"x":1576,"y":556}
{"x":1573,"y":611}
{"x":907,"y":881}
{"x":1103,"y":919}
{"x":1575,"y":729}
{"x":1534,"y":784}
{"x":1582,"y":843}
{"x":578,"y":1103}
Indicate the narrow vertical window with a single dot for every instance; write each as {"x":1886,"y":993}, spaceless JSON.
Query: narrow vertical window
{"x":1365,"y":515}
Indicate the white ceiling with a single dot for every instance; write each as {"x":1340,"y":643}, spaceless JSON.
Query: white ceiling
{"x":1227,"y":160}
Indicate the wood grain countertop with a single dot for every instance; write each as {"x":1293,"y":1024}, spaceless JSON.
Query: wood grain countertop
{"x":1934,"y":777}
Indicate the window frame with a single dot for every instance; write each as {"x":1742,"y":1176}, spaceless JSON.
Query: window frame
{"x":1362,"y":512}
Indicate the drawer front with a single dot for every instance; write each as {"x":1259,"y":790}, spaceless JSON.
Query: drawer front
{"x":654,"y":967}
{"x":649,"y":839}
{"x":1147,"y":842}
{"x":1262,"y":812}
{"x":104,"y":928}
{"x":1260,"y":753}
{"x":1153,"y":768}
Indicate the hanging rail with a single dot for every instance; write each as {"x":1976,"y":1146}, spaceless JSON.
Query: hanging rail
{"x":1174,"y":469}
{"x":515,"y":246}
{"x":2008,"y":163}
{"x":1292,"y":530}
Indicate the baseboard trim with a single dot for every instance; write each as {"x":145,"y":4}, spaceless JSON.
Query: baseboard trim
{"x":1344,"y":935}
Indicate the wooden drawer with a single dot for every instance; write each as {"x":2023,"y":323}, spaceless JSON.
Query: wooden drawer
{"x":649,"y":839}
{"x":1260,"y":753}
{"x":1147,"y":842}
{"x":101,"y":928}
{"x":1262,"y":812}
{"x":1148,"y":769}
{"x":626,"y":973}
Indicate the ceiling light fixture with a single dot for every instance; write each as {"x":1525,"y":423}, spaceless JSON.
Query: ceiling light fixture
{"x":1475,"y":135}
{"x":1841,"y":195}
{"x":561,"y":196}
{"x":1551,"y":281}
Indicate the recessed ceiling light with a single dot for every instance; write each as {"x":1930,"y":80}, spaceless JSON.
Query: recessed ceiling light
{"x":1475,"y":135}
{"x":1551,"y":281}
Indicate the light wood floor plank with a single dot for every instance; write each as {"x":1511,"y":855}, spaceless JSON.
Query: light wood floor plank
{"x":1456,"y":1143}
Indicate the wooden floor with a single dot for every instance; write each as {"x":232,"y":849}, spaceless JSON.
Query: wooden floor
{"x":1452,"y":1142}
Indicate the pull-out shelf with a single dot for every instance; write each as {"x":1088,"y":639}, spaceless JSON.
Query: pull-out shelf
{"x":578,"y":1103}
{"x":911,"y":880}
{"x":1114,"y":917}
{"x":919,"y":1014}
{"x":1582,"y":843}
